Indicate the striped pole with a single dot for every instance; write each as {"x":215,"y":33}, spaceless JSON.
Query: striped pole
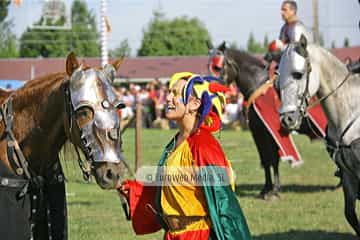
{"x":103,"y":31}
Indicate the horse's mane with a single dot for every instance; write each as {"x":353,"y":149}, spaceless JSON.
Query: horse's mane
{"x":39,"y":86}
{"x":240,"y":56}
{"x":4,"y":94}
{"x":328,"y":61}
{"x":331,"y":57}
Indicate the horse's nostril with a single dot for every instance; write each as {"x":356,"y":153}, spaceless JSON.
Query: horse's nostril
{"x":109,"y":174}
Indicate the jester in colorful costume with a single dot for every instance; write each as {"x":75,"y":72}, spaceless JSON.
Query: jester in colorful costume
{"x":200,"y":209}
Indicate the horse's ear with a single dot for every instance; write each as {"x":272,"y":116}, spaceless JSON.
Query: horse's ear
{"x":110,"y":72}
{"x":209,"y":44}
{"x":303,"y":41}
{"x":71,"y":63}
{"x":222,"y":46}
{"x":118,"y":62}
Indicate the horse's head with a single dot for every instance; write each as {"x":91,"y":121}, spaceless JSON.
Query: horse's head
{"x":94,"y":121}
{"x":295,"y":84}
{"x":236,"y":66}
{"x":218,"y":65}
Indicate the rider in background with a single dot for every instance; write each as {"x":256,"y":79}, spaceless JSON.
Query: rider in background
{"x":290,"y":32}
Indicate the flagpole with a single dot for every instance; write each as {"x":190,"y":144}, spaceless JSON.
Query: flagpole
{"x":103,"y":32}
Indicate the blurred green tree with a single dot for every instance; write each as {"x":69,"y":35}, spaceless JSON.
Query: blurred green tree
{"x":321,"y":40}
{"x":4,"y":4}
{"x":333,"y":44}
{"x":256,"y":47}
{"x":8,"y":47}
{"x":82,"y":38}
{"x":122,"y":50}
{"x":181,"y":36}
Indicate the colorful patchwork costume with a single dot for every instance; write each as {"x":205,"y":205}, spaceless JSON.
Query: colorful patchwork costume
{"x":192,"y":211}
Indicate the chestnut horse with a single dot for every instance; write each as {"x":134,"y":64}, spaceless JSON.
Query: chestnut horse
{"x":36,"y":121}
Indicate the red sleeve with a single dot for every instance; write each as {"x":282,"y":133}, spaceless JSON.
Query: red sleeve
{"x":143,"y":219}
{"x":206,"y":150}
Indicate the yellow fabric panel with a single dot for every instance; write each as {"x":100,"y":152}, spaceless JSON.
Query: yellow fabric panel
{"x":231,"y":175}
{"x":181,"y":199}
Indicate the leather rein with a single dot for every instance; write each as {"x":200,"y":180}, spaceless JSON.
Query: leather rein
{"x":306,"y":96}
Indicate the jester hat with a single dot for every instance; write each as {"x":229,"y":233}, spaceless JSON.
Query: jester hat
{"x":211,"y":94}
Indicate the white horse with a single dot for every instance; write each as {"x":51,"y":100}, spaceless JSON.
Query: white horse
{"x":308,"y":70}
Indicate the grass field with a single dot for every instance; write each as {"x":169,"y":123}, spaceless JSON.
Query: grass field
{"x":309,"y":207}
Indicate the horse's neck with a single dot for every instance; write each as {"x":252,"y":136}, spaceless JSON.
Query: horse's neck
{"x":249,"y":77}
{"x":39,"y":124}
{"x":251,"y":81}
{"x":343,"y":105}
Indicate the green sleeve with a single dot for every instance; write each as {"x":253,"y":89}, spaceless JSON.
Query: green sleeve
{"x":227,"y":218}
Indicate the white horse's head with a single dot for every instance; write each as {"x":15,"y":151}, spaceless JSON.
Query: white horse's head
{"x":297,"y":84}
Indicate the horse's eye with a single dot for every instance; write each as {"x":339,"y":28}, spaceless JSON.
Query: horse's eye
{"x":84,"y":115}
{"x":297,"y":75}
{"x":119,"y":104}
{"x":217,"y":68}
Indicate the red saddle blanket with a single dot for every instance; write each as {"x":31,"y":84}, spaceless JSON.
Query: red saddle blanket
{"x":267,"y":105}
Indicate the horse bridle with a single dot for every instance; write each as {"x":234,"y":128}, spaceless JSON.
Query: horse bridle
{"x":215,"y":60}
{"x":227,"y":61}
{"x":16,"y":157}
{"x":305,"y":97}
{"x":85,"y":166}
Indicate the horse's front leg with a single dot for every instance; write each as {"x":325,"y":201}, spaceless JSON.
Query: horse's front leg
{"x":268,"y":181}
{"x":277,"y":184}
{"x":267,"y":149}
{"x":350,"y":188}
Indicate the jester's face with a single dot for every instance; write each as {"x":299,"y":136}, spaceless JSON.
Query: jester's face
{"x":176,"y":108}
{"x":195,"y":96}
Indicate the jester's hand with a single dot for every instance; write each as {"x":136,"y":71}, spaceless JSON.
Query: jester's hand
{"x":123,"y":189}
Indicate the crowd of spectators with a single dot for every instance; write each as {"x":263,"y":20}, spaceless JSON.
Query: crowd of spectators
{"x":152,"y":97}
